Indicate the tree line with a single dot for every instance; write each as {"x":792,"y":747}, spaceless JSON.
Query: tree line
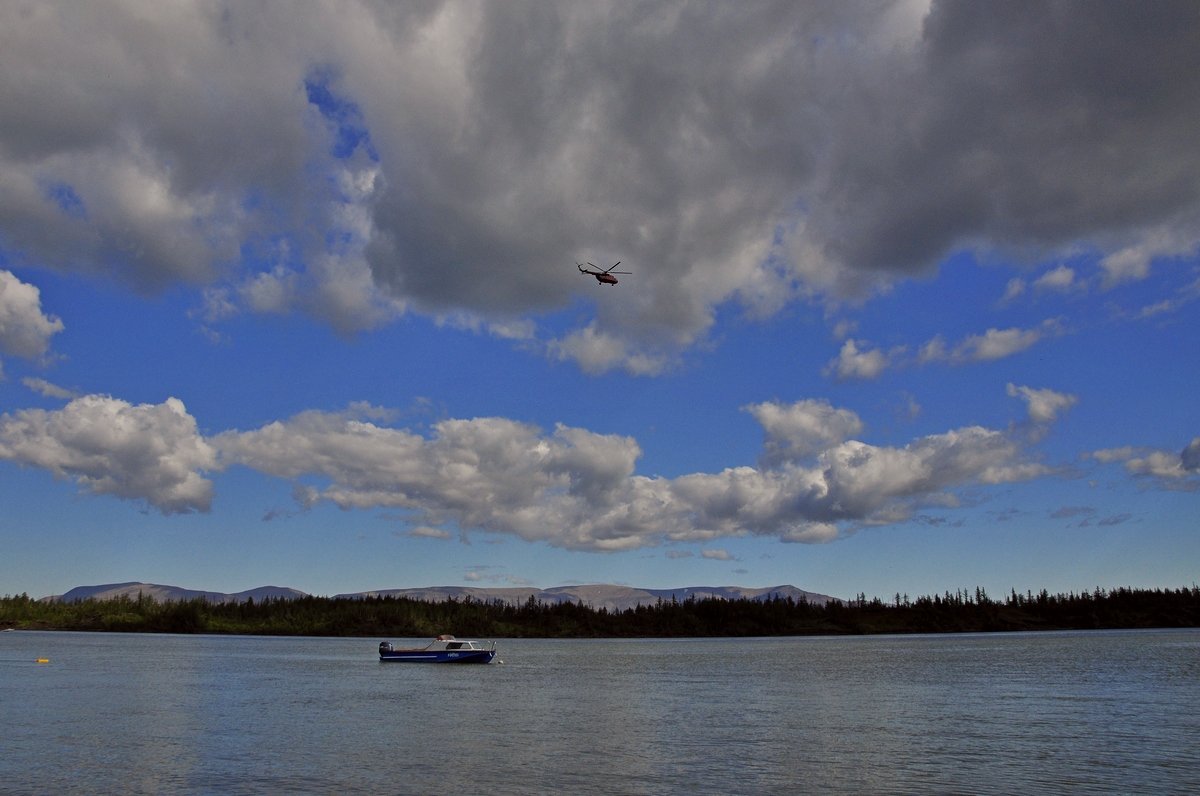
{"x":403,"y":617}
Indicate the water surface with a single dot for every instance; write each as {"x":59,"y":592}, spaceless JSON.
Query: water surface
{"x":1095,"y":712}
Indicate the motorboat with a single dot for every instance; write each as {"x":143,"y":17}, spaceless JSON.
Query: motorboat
{"x":443,"y":649}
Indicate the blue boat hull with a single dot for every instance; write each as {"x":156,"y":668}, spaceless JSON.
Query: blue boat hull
{"x":438,"y":656}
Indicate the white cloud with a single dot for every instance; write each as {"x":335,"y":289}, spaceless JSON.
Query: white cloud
{"x":511,"y":329}
{"x":576,"y":489}
{"x":810,"y":533}
{"x":991,"y":345}
{"x":1160,"y":464}
{"x":1132,"y":263}
{"x":856,"y":361}
{"x":1060,"y":279}
{"x":933,"y":351}
{"x":996,"y":344}
{"x":146,"y":452}
{"x":426,"y":532}
{"x":1044,"y":405}
{"x":43,"y":387}
{"x":598,"y":352}
{"x":570,"y":488}
{"x":851,"y":363}
{"x":1127,"y":265}
{"x":1172,"y":470}
{"x":217,"y":304}
{"x":715,"y":554}
{"x":271,"y":291}
{"x":865,"y":479}
{"x":844,"y":328}
{"x":1014,"y":289}
{"x":1183,"y":296}
{"x":25,"y":331}
{"x":796,"y":431}
{"x":1109,"y":455}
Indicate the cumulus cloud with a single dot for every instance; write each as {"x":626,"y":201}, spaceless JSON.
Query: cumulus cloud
{"x":802,"y":429}
{"x":1173,"y":470}
{"x":488,"y":473}
{"x":991,"y":345}
{"x":145,"y":452}
{"x":1044,"y":405}
{"x":852,"y":363}
{"x":43,"y":387}
{"x":1060,"y":279}
{"x":25,"y":330}
{"x":576,"y":489}
{"x":1160,"y":464}
{"x":1133,"y":262}
{"x":857,"y":360}
{"x":359,"y":160}
{"x":996,"y":344}
{"x":596,"y":351}
{"x":1012,"y":290}
{"x":568,"y":487}
{"x":1183,"y":296}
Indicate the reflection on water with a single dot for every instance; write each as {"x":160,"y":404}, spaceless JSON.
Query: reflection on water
{"x":1115,"y":712}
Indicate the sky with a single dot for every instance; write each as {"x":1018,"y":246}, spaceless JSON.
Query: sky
{"x":289,"y":296}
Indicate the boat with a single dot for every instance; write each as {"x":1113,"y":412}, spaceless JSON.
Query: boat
{"x":443,"y":649}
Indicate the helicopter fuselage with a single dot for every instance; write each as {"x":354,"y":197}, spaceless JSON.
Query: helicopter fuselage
{"x":604,"y":277}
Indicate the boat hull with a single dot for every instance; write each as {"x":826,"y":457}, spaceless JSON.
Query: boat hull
{"x":437,"y":656}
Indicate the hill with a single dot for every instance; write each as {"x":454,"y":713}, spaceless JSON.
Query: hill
{"x":594,"y":596}
{"x":160,"y":593}
{"x":597,"y":596}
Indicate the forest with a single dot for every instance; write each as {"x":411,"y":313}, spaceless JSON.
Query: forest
{"x":397,"y":617}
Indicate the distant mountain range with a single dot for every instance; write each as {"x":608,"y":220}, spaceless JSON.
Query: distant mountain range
{"x":597,"y":596}
{"x":154,"y":591}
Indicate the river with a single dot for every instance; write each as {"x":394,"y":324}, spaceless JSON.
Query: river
{"x":1014,"y":713}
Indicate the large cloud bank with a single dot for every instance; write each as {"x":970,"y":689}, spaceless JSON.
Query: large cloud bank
{"x":357,"y":160}
{"x":570,"y":487}
{"x":567,"y":487}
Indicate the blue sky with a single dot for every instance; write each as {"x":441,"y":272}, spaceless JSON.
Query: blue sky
{"x":291,"y":298}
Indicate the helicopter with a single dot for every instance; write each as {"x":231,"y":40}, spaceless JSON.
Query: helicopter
{"x":604,"y":277}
